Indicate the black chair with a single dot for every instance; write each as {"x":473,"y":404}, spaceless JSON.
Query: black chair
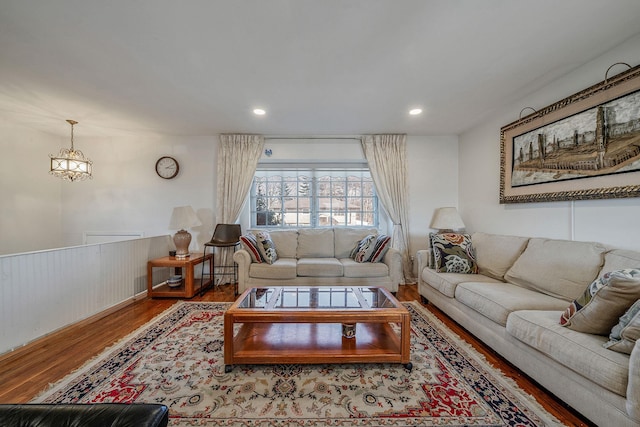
{"x":224,"y":236}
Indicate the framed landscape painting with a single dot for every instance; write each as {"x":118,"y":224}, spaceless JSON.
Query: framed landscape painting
{"x":586,"y":146}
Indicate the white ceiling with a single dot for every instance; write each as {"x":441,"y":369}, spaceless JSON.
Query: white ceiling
{"x":319,"y":67}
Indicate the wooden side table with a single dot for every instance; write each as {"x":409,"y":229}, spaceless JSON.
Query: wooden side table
{"x":188,"y":287}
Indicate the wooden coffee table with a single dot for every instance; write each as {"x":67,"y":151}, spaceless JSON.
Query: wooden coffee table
{"x":304,"y":325}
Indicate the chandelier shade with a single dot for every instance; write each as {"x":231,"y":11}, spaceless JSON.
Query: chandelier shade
{"x":70,"y":164}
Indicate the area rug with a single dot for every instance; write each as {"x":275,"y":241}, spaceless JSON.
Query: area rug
{"x":177,"y":360}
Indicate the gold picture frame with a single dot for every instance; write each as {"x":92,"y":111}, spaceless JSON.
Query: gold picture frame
{"x":584,"y":147}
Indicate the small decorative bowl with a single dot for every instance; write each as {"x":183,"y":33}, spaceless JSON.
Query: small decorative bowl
{"x":174,"y":281}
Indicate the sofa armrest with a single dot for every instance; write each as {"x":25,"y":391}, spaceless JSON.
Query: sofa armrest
{"x":424,"y":260}
{"x":393,"y":260}
{"x":243,"y":259}
{"x":633,"y":386}
{"x":96,"y":415}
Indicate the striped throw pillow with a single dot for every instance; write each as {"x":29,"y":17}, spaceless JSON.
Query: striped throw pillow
{"x":250,"y":244}
{"x":382,"y":245}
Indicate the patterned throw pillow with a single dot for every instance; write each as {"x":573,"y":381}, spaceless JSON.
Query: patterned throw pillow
{"x":381,"y":248}
{"x":266,"y":247}
{"x":453,"y":253}
{"x":624,"y":335}
{"x":364,"y":249}
{"x":431,"y":263}
{"x":250,"y":244}
{"x":600,"y":306}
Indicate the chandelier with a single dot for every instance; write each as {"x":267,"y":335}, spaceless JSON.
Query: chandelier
{"x":70,"y":164}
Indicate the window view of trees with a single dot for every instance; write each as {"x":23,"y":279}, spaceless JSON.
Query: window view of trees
{"x":314,"y":198}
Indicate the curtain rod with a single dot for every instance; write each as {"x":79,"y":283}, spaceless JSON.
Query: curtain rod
{"x":357,"y":138}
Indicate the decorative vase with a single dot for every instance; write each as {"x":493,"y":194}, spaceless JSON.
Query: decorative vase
{"x":349,"y":330}
{"x":182,"y":239}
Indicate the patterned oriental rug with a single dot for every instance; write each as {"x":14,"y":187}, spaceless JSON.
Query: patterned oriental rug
{"x":177,"y":360}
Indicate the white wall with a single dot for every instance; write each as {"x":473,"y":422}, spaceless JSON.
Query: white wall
{"x":612,"y":221}
{"x":127,"y":195}
{"x":39,"y":211}
{"x":309,"y":149}
{"x":433,"y":182}
{"x":30,"y":215}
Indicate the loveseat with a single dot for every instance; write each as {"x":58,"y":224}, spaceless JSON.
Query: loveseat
{"x":317,"y":257}
{"x":517,"y":294}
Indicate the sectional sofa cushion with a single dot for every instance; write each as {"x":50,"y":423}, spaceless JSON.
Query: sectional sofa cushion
{"x":453,"y":253}
{"x":319,"y":267}
{"x":600,"y":306}
{"x":315,"y":243}
{"x":497,"y":300}
{"x":619,"y":259}
{"x":624,"y":335}
{"x":495,"y":253}
{"x":559,"y":268}
{"x":346,"y":238}
{"x":582,"y":353}
{"x":446,"y":283}
{"x":283,"y":268}
{"x":285,"y":242}
{"x":352,"y":268}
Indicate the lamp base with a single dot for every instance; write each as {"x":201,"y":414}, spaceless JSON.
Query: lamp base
{"x":182,"y":239}
{"x":451,"y":231}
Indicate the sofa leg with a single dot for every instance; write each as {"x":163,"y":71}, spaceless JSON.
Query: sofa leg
{"x":424,"y":300}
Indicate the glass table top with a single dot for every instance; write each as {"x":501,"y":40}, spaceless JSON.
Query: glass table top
{"x":343,"y":298}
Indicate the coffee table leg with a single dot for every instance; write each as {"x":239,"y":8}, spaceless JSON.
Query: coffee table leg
{"x":408,"y":366}
{"x":228,"y":341}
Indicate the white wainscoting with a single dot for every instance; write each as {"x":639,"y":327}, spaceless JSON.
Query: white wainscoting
{"x":41,"y":292}
{"x":90,"y":237}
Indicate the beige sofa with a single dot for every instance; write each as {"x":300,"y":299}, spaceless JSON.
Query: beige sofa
{"x":514,"y":305}
{"x":318,"y":257}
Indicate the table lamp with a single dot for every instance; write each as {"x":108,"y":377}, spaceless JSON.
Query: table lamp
{"x":446,"y":220}
{"x":181,"y":218}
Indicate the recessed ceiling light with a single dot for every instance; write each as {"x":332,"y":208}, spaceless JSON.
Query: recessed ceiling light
{"x":259,"y":112}
{"x":415,"y":111}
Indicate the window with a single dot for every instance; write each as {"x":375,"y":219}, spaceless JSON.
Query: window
{"x":313,"y":197}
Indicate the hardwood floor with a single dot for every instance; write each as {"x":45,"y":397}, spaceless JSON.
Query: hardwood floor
{"x":27,"y":371}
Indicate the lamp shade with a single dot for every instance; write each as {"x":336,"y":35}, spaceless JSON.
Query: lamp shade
{"x":183,"y":217}
{"x":446,"y":219}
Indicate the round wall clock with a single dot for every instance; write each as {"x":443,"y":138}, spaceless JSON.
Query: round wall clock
{"x":167,"y":167}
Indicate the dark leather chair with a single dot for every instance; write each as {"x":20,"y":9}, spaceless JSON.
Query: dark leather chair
{"x":224,"y":236}
{"x":84,"y":415}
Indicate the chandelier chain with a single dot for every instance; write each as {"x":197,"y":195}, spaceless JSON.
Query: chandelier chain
{"x":72,"y":122}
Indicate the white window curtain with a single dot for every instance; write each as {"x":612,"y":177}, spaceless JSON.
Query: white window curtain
{"x":387,"y":157}
{"x":238,"y":157}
